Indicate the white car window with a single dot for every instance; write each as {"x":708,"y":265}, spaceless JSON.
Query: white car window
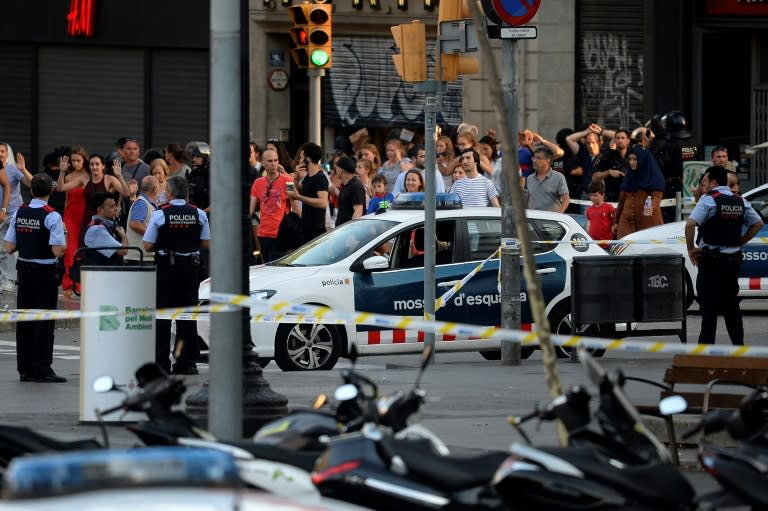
{"x":759,"y":202}
{"x":337,"y":244}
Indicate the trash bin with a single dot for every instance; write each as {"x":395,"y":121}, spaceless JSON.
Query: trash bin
{"x":602,"y":289}
{"x":115,"y":345}
{"x":660,"y":288}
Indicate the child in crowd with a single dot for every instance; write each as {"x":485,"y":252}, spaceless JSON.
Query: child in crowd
{"x":599,"y":214}
{"x":380,"y":193}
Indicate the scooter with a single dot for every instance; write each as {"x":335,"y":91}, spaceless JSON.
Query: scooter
{"x":410,"y":469}
{"x":741,"y":471}
{"x":618,"y":465}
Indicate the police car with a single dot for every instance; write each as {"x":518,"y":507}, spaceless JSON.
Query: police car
{"x":376,"y":264}
{"x":753,"y":278}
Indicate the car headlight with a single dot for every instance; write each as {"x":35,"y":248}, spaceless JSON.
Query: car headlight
{"x":618,"y":248}
{"x":263,"y":294}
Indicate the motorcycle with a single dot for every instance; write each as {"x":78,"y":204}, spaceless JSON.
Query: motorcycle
{"x":618,"y":464}
{"x":741,"y":471}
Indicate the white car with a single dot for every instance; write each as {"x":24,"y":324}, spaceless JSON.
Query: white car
{"x":375,"y":264}
{"x":753,"y":278}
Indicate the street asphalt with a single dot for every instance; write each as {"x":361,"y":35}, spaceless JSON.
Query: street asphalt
{"x":468,"y":398}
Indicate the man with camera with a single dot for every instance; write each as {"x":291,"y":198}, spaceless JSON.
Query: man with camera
{"x":176,"y":232}
{"x":270,"y":193}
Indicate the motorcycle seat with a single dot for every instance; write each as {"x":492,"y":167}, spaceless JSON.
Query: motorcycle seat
{"x":658,"y":481}
{"x":301,"y":459}
{"x":19,"y":440}
{"x":448,"y":473}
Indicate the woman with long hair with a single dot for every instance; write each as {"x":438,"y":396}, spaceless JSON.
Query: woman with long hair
{"x":414,"y":181}
{"x":394,"y":165}
{"x":95,"y":181}
{"x":445,"y":155}
{"x":159,"y":169}
{"x":73,"y":168}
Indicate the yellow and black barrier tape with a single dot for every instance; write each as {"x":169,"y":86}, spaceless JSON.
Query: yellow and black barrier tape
{"x":267,"y":311}
{"x":182,"y":313}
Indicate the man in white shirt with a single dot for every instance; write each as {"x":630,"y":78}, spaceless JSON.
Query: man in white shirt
{"x":474,"y":189}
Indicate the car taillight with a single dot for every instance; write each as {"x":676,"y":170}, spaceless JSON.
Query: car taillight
{"x":323,"y":475}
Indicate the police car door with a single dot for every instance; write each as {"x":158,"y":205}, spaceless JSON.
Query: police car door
{"x":753,"y":277}
{"x":399,"y":289}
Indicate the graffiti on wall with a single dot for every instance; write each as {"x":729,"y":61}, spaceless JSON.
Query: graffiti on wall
{"x":612,"y":80}
{"x":364,"y":90}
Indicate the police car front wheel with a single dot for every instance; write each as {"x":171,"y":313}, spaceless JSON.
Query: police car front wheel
{"x":560,"y":323}
{"x":307,"y":347}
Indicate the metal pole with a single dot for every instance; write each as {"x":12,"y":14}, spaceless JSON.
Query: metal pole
{"x":315,"y":91}
{"x":510,"y":250}
{"x":678,"y":206}
{"x":430,"y":121}
{"x":225,"y":404}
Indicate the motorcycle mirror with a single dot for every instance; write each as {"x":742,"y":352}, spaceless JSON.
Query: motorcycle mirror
{"x":103,"y":384}
{"x":320,"y":401}
{"x":672,"y":405}
{"x":346,"y":392}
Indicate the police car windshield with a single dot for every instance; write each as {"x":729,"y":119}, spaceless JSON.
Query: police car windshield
{"x":337,"y":244}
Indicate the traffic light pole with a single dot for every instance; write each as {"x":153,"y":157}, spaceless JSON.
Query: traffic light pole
{"x":431,"y":89}
{"x":315,"y":91}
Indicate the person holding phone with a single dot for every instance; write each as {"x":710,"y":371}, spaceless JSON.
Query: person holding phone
{"x":314,"y":191}
{"x":270,"y":193}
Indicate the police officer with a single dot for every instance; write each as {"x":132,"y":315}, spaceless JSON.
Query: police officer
{"x":37,"y":232}
{"x":679,"y":148}
{"x":200,"y":176}
{"x":104,"y":232}
{"x":176,"y":232}
{"x":720,"y":215}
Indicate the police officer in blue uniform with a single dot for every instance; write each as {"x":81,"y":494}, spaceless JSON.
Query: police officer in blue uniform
{"x":104,"y":231}
{"x":720,"y":215}
{"x":37,"y":232}
{"x":176,"y":232}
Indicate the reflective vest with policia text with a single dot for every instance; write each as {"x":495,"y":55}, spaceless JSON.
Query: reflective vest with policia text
{"x":181,"y":231}
{"x":724,"y":228}
{"x":32,"y":236}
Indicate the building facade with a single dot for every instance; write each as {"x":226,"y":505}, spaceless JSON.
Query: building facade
{"x":143,"y":71}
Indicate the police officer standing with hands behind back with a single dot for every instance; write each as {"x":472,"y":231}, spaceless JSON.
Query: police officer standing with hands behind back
{"x":176,"y":232}
{"x":720,"y":215}
{"x":37,"y":232}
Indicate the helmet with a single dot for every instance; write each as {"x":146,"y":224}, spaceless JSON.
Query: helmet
{"x":656,"y":126}
{"x":676,"y":124}
{"x":199,"y":149}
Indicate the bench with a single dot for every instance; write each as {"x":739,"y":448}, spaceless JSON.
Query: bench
{"x":698,"y":375}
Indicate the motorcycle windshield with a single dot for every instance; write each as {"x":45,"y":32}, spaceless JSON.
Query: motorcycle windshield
{"x":627,"y":412}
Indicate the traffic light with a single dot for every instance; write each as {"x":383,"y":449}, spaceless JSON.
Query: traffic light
{"x":411,"y":63}
{"x":319,"y":35}
{"x":300,"y":19}
{"x":453,"y":64}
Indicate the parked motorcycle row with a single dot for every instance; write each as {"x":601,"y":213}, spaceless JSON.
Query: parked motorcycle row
{"x":367,"y":450}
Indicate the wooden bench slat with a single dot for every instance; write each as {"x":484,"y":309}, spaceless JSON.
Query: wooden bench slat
{"x":720,"y":362}
{"x":704,"y":375}
{"x":716,"y":400}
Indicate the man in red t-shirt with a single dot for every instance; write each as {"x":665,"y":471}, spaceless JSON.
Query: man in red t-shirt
{"x":270,"y":192}
{"x":599,"y":214}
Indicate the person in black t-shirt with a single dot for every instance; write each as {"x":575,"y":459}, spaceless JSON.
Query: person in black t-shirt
{"x":352,"y":195}
{"x":314,"y":191}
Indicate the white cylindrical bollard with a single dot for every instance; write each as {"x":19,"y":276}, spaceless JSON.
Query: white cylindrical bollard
{"x":115,"y":345}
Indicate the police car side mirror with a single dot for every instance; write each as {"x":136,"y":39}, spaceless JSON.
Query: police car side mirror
{"x":372,"y":263}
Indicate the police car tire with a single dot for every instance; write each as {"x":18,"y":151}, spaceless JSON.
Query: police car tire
{"x":560,"y":323}
{"x":525,"y":352}
{"x":283,"y":359}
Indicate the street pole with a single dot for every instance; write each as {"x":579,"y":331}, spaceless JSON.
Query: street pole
{"x":430,"y":204}
{"x":225,"y":407}
{"x":510,"y":248}
{"x":239,"y":400}
{"x":315,"y":92}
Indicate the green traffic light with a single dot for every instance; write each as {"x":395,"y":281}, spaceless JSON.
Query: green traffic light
{"x":319,"y":58}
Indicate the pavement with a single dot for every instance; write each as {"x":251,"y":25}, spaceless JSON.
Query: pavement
{"x":468,"y":398}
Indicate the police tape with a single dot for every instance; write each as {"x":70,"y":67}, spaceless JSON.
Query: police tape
{"x":302,"y":313}
{"x":177,"y":313}
{"x":686,"y":201}
{"x":443,"y":300}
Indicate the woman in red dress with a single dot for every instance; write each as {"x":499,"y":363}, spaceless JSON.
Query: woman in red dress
{"x":74,"y":169}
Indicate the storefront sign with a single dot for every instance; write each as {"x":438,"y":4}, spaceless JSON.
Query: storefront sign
{"x":81,"y":17}
{"x":737,"y":7}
